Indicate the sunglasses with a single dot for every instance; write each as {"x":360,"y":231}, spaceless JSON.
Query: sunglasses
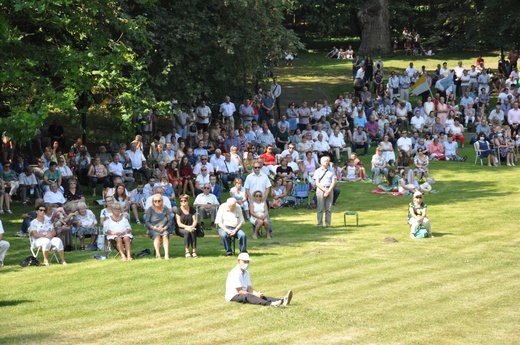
{"x":257,"y":167}
{"x":205,"y":187}
{"x":203,"y":169}
{"x":41,"y":210}
{"x":418,"y":197}
{"x":157,"y":201}
{"x":184,"y":200}
{"x":257,"y":196}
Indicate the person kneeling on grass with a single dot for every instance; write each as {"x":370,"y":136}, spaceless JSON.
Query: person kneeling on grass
{"x":240,"y":289}
{"x":417,"y":215}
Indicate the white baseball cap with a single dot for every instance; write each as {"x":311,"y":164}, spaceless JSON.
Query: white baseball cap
{"x":244,"y":257}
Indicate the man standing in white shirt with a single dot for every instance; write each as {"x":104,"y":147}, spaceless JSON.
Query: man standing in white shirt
{"x":410,"y":70}
{"x":203,"y":113}
{"x":325,"y":183}
{"x":257,"y":181}
{"x":459,"y":70}
{"x":227,"y":109}
{"x":138,"y":161}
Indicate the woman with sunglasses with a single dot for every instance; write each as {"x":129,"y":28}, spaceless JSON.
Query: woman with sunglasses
{"x":417,"y":215}
{"x":259,"y":214}
{"x":268,"y":156}
{"x":157,"y":223}
{"x":186,"y":220}
{"x":44,"y":235}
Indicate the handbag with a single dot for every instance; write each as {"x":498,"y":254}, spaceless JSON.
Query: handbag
{"x":199,"y":231}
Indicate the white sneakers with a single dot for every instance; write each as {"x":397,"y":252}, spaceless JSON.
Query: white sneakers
{"x":287,"y":299}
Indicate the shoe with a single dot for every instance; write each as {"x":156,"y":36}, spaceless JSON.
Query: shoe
{"x":276,"y":304}
{"x":46,"y":263}
{"x":9,"y":211}
{"x":64,"y":263}
{"x":194,"y":255}
{"x":187,"y":256}
{"x":464,"y":158}
{"x":287,"y":299}
{"x":202,"y":225}
{"x":508,"y":164}
{"x":21,"y":234}
{"x":138,"y":222}
{"x":1,"y":263}
{"x":1,"y":211}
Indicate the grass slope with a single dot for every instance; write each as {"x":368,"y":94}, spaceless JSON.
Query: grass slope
{"x":349,"y":286}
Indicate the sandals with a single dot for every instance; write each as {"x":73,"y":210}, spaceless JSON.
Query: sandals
{"x":187,"y":255}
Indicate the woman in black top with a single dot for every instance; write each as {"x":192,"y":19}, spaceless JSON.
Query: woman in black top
{"x":186,"y":220}
{"x":73,"y":193}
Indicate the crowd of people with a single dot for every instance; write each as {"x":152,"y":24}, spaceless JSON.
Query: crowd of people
{"x":258,"y":153}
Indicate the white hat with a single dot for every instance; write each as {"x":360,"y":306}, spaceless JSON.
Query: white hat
{"x":417,"y":193}
{"x":244,"y":257}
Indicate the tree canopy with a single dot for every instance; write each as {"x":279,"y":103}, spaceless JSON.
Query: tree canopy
{"x":468,"y":24}
{"x":122,"y":57}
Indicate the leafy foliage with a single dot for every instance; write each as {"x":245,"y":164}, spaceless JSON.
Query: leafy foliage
{"x":54,"y":52}
{"x":73,"y":56}
{"x":468,"y":24}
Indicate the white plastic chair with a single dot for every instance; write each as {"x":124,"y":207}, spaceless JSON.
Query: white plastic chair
{"x":36,"y":250}
{"x":477,"y":153}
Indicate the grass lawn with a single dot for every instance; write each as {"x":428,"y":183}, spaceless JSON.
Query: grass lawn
{"x":349,"y":286}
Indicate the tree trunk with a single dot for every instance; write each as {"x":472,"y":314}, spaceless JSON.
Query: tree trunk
{"x":374,"y":20}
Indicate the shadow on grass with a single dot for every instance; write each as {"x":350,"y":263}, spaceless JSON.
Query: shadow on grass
{"x":13,"y":302}
{"x":442,"y":234}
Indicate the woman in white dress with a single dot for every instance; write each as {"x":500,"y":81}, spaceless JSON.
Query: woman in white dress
{"x":117,"y":228}
{"x":387,"y":150}
{"x":44,"y":235}
{"x":259,"y":214}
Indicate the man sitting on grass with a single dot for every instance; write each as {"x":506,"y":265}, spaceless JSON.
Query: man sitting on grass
{"x":239,"y":288}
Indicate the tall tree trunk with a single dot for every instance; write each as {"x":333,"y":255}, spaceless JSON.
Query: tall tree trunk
{"x":374,"y":20}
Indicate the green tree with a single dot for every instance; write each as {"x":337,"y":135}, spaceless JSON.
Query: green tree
{"x":56,"y":52}
{"x":207,"y":49}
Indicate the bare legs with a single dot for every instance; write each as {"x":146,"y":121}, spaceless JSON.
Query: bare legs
{"x":157,"y":246}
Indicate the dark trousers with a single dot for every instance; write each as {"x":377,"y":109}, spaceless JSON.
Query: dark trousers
{"x":356,"y":146}
{"x":190,"y":238}
{"x":252,"y":299}
{"x":144,"y":171}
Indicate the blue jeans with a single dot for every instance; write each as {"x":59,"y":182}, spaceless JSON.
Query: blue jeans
{"x":226,"y":241}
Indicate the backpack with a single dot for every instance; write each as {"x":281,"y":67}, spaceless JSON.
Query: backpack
{"x":30,"y":261}
{"x":421,"y":232}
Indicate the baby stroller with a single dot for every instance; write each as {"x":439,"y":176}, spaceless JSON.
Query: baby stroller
{"x":300,"y":192}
